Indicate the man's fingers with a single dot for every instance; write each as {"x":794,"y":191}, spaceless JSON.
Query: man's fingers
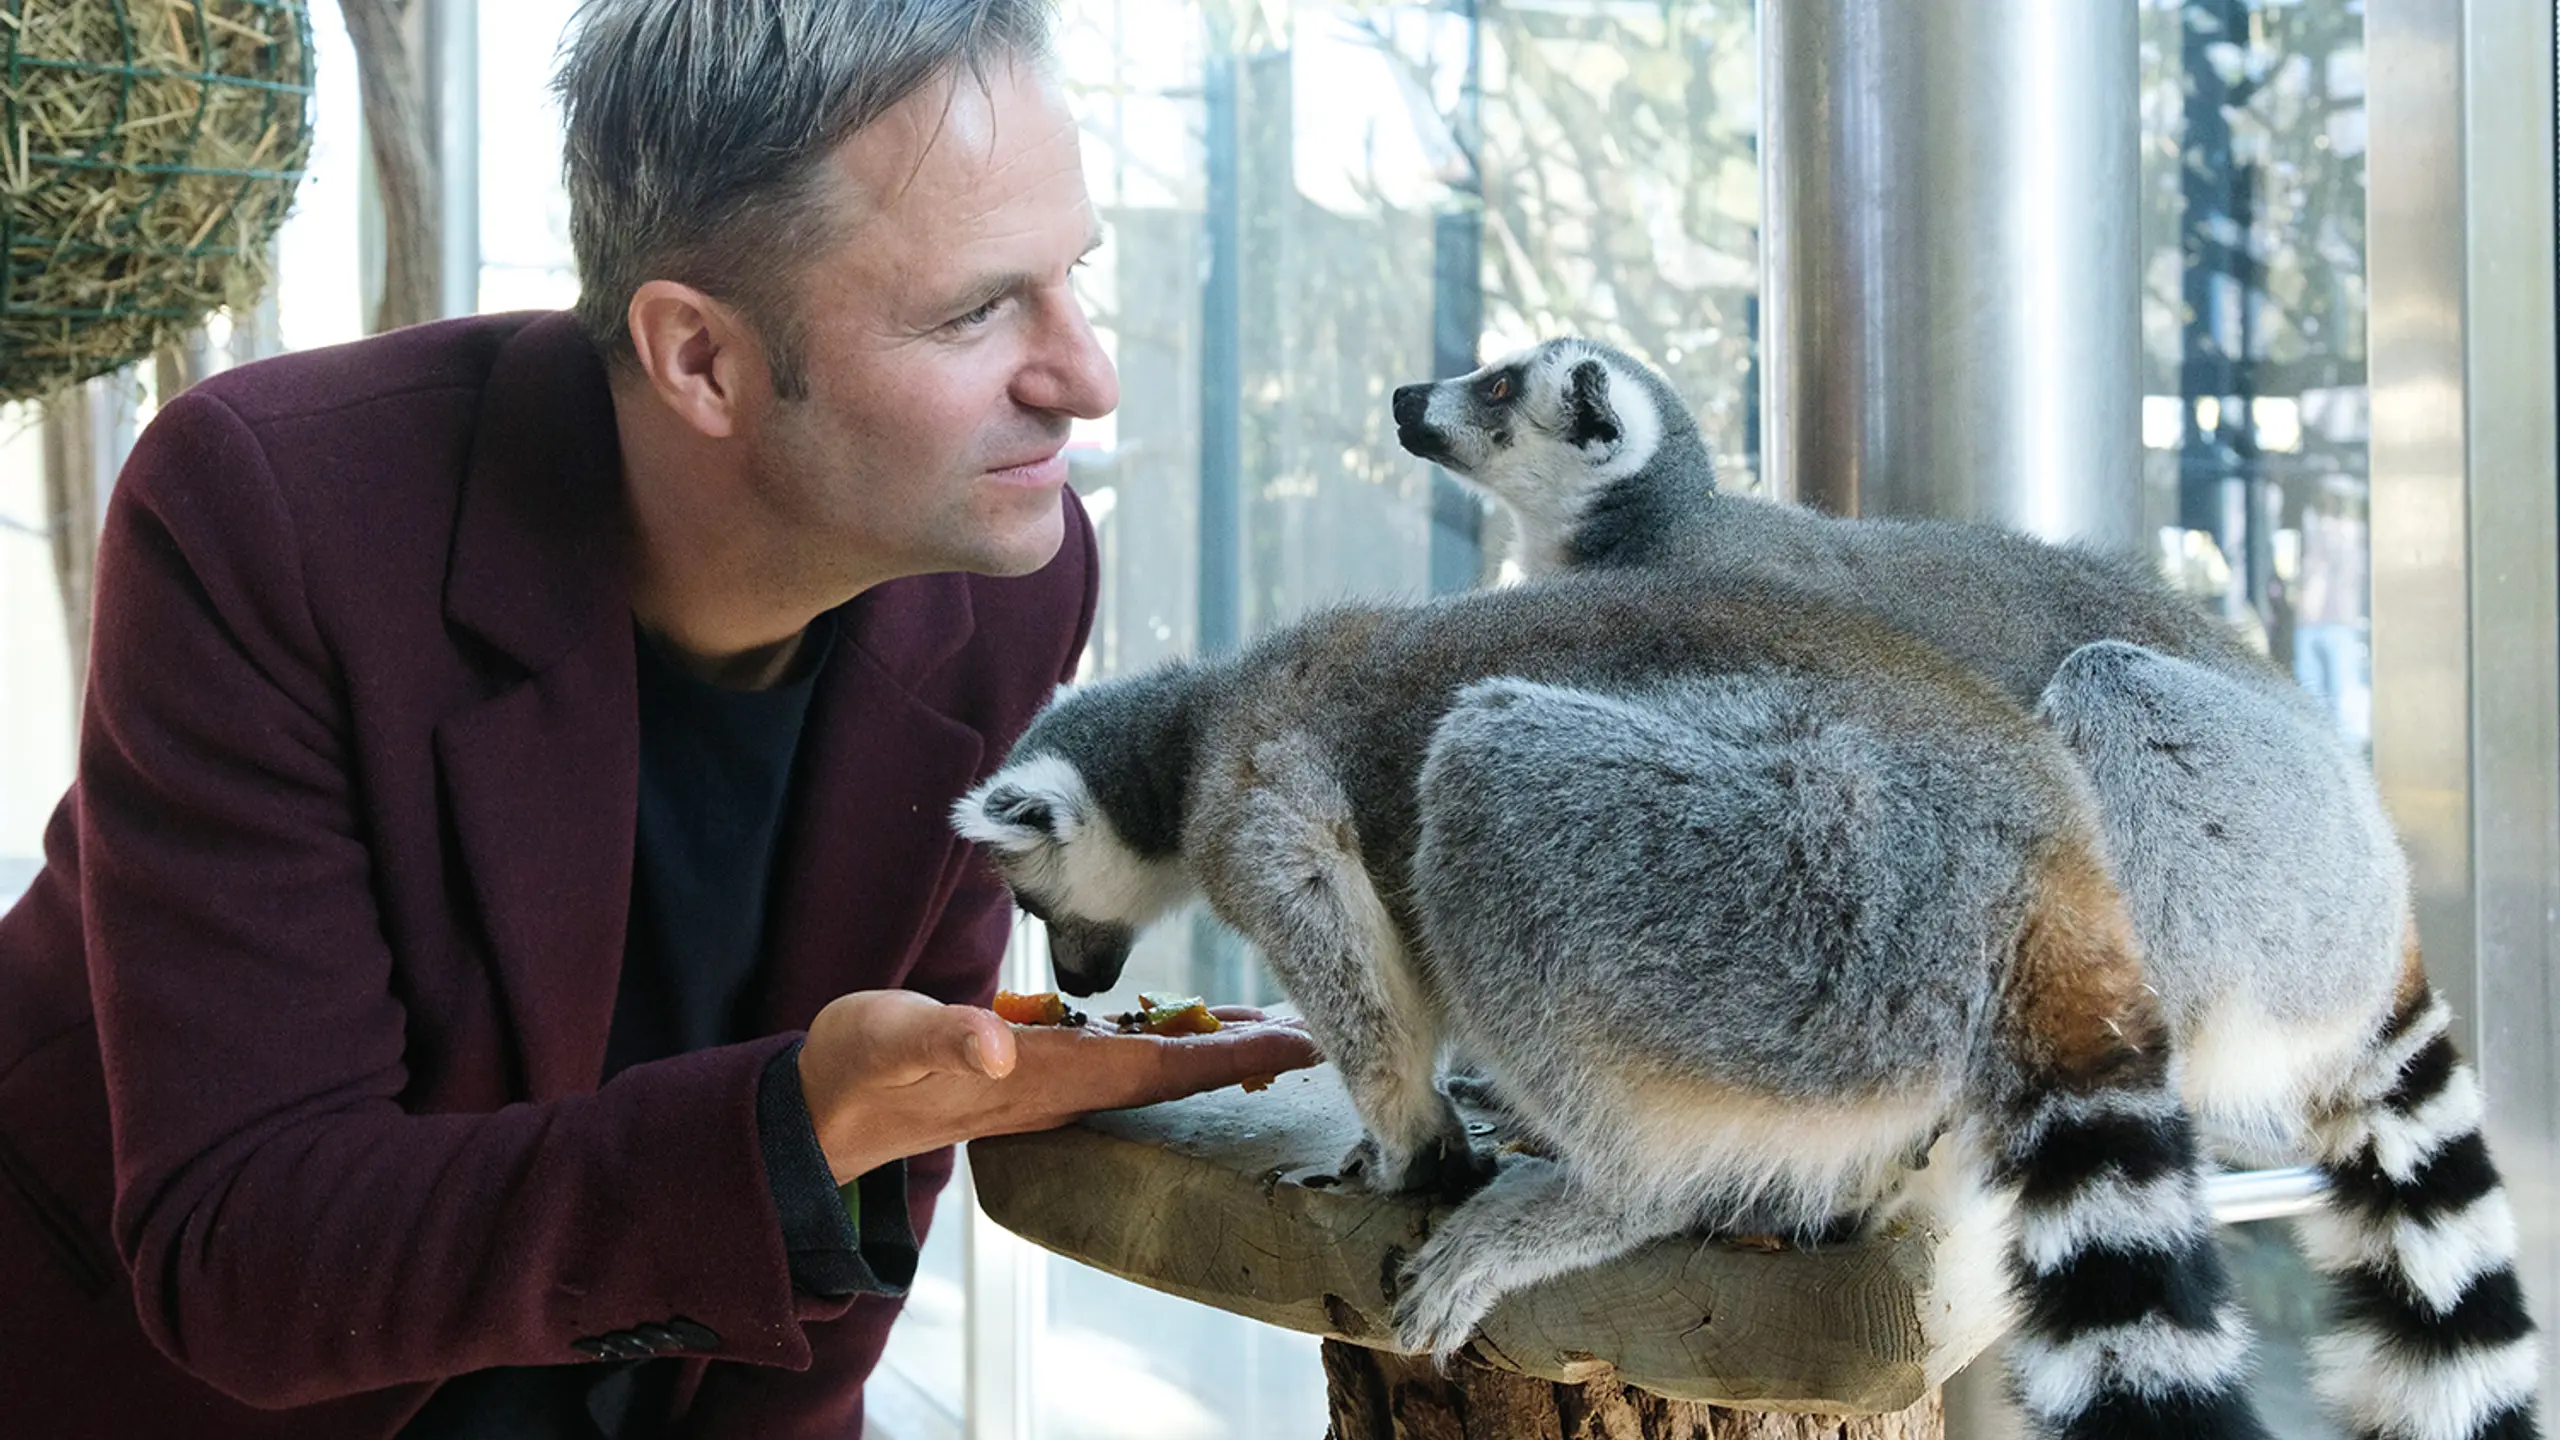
{"x":1076,"y":1072}
{"x":1187,"y":1067}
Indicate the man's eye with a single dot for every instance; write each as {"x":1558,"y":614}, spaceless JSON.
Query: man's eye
{"x":979,"y":316}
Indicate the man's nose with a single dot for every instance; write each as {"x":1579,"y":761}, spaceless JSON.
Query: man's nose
{"x":1074,"y":375}
{"x":1410,"y":403}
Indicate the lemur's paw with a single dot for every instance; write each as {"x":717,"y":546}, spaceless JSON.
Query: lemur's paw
{"x":1445,"y":1165}
{"x":1440,"y":1299}
{"x":1468,"y":1088}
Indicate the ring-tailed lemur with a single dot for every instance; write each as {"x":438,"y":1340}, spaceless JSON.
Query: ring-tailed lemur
{"x":1739,"y":898}
{"x":2270,"y":896}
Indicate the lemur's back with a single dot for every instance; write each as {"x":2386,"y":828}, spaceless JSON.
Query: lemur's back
{"x":1377,"y":680}
{"x":2007,"y":605}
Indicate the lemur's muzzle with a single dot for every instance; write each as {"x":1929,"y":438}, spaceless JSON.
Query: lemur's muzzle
{"x":1088,"y":955}
{"x":1412,"y":402}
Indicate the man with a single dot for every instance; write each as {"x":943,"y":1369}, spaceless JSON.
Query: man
{"x":506,"y":888}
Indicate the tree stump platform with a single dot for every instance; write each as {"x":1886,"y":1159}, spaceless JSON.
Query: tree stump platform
{"x":1233,"y":1200}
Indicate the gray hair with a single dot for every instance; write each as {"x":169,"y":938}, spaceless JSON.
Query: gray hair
{"x":698,"y":132}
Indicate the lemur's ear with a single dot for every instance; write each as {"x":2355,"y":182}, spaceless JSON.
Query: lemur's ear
{"x":1590,"y":423}
{"x":1008,"y":816}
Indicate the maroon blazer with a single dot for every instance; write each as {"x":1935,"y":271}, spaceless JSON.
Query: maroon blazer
{"x":301,"y":1025}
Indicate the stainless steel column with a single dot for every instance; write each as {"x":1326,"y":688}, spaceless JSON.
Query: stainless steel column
{"x":2466,"y":548}
{"x":1951,"y":260}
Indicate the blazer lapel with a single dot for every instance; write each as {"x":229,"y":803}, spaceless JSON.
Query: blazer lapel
{"x":542,"y":784}
{"x":541,"y":779}
{"x":870,"y":855}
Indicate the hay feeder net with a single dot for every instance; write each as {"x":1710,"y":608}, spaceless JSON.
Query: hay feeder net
{"x":151,"y":149}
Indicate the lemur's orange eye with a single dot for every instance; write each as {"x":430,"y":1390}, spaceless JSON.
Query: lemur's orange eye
{"x":1500,"y":389}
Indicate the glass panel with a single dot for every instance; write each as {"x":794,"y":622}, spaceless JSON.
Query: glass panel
{"x":35,"y":678}
{"x":319,"y":285}
{"x":920,"y":1390}
{"x":1622,"y":194}
{"x":2283,"y":1298}
{"x":2253,"y":325}
{"x":525,"y":262}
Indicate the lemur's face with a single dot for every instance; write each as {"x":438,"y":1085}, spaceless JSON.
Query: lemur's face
{"x":1542,"y":429}
{"x":1068,"y":867}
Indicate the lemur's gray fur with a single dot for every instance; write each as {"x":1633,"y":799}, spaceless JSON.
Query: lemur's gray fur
{"x":2269,"y":893}
{"x":1740,"y":898}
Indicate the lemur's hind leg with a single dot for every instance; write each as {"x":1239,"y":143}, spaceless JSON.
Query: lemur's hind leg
{"x":2127,"y":1326}
{"x":1534,"y":1222}
{"x":2433,"y":1342}
{"x":2263,"y":880}
{"x":1292,"y":877}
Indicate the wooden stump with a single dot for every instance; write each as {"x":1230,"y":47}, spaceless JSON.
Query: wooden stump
{"x":1380,"y":1395}
{"x":1234,"y":1200}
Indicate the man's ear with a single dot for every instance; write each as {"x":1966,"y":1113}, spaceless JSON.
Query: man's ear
{"x":698,"y":355}
{"x":1590,"y":423}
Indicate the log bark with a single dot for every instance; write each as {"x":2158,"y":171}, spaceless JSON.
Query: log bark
{"x":1379,"y":1395}
{"x":396,"y":123}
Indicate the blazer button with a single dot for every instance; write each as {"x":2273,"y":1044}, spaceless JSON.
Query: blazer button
{"x":612,"y":1345}
{"x":693,"y":1335}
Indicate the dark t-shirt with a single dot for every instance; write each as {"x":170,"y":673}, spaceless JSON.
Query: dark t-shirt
{"x":715,"y":794}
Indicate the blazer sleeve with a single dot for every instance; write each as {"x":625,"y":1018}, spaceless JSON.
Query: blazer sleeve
{"x":293,"y":1234}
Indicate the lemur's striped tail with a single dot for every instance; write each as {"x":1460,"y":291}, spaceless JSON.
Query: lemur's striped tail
{"x":2126,"y":1325}
{"x":2127,"y":1329}
{"x":2433,"y":1341}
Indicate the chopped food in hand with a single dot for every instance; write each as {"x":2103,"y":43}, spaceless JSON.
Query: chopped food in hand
{"x":1185,"y":1016}
{"x":1256,"y":1084}
{"x":1045,"y":1008}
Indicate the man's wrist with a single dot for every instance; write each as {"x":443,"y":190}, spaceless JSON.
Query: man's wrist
{"x":839,"y":1240}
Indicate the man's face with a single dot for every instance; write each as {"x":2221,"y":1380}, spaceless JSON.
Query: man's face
{"x":945,"y":349}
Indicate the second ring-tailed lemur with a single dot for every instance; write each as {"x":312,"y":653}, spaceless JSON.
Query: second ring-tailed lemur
{"x":2269,"y":895}
{"x":1740,"y":899}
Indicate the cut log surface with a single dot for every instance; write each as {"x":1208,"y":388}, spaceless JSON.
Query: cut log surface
{"x":1235,"y":1200}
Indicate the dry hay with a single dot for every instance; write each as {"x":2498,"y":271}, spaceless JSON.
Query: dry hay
{"x":151,"y":147}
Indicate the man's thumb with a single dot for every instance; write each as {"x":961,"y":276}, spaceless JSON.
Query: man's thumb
{"x":974,"y":1042}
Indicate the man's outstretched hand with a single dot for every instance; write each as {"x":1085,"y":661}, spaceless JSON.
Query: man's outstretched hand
{"x":890,"y":1073}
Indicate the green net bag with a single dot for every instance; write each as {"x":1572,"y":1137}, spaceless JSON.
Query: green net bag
{"x":151,"y":149}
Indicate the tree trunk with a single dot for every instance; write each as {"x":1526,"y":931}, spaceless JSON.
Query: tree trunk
{"x":71,"y":516}
{"x":404,"y":160}
{"x":1378,"y":1395}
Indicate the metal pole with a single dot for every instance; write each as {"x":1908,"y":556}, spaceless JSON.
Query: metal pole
{"x":2466,"y":574}
{"x":455,"y":31}
{"x":1951,"y":241}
